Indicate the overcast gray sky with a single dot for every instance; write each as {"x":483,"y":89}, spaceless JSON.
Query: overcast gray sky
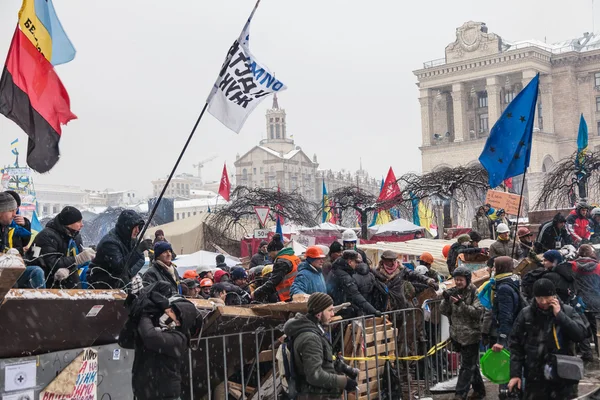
{"x":144,"y":68}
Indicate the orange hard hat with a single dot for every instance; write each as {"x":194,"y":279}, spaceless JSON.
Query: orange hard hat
{"x":446,"y":250}
{"x":426,"y":257}
{"x":314,"y":252}
{"x":206,"y":282}
{"x":190,"y":274}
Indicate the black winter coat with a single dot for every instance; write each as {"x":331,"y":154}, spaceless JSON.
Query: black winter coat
{"x":506,"y":307}
{"x":54,"y":243}
{"x":110,"y":268}
{"x":532,"y":338}
{"x":549,"y":234}
{"x":259,"y":259}
{"x":343,"y":288}
{"x":562,"y":276}
{"x":158,"y":273}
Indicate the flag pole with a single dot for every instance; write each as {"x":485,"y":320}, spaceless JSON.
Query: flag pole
{"x":164,"y":189}
{"x":519,"y":213}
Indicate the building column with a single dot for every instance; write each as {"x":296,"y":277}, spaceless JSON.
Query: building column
{"x":459,"y":103}
{"x":528,"y":75}
{"x":426,"y":101}
{"x":547,"y":109}
{"x":494,"y":90}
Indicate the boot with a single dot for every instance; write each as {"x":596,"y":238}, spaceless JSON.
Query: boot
{"x":476,"y":396}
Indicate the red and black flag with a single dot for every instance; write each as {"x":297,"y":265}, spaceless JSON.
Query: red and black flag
{"x":31,"y":93}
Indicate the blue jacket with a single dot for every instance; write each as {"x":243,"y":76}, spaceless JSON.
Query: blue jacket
{"x":506,"y":306}
{"x":308,"y":281}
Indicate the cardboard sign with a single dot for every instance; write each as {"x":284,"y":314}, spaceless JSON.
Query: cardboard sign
{"x":508,"y":201}
{"x":78,"y":381}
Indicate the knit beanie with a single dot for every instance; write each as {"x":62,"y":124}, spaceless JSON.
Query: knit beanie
{"x":161,"y":247}
{"x":7,"y":202}
{"x":335,"y":247}
{"x":69,"y":215}
{"x":503,"y":265}
{"x":543,"y":287}
{"x":16,"y":196}
{"x":238,"y":273}
{"x":318,"y":302}
{"x":553,"y":256}
{"x":464,"y":238}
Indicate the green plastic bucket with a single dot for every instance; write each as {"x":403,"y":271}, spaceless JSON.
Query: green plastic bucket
{"x":496,"y":366}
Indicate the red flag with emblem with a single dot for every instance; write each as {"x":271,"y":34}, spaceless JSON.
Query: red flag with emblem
{"x":224,"y":187}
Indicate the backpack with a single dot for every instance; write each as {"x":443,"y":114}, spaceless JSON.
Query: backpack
{"x":287,"y":365}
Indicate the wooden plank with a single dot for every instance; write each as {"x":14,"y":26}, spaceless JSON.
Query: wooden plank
{"x":371,"y":386}
{"x":10,"y":270}
{"x":381,"y":349}
{"x":373,"y":372}
{"x":383,"y":335}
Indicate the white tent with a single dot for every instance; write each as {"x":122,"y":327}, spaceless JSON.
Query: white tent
{"x":202,"y":258}
{"x":396,"y":226}
{"x":324,"y":227}
{"x":289,"y":229}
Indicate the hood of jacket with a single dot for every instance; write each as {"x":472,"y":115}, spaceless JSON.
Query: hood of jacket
{"x":304,"y":265}
{"x":343,"y":265}
{"x":125,"y":224}
{"x":513,"y":280}
{"x":288,"y":251}
{"x":187,"y":314}
{"x":362,"y":269}
{"x":300,"y":321}
{"x":565,"y":271}
{"x":584,"y":264}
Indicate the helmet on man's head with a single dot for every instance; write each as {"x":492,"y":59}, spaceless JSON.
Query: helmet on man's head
{"x":349,"y":236}
{"x":500,"y":211}
{"x":462,"y":271}
{"x":523,"y":231}
{"x":595,"y":212}
{"x":502,"y":228}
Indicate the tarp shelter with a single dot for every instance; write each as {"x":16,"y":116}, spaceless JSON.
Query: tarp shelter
{"x":411,"y":250}
{"x":202,"y":258}
{"x":396,"y":227}
{"x":185,"y":235}
{"x":289,"y":229}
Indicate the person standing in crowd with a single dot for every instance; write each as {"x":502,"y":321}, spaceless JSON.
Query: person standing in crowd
{"x":343,"y":289}
{"x":117,"y":259}
{"x":190,"y":288}
{"x":311,"y":352}
{"x":587,"y":284}
{"x":350,"y":241}
{"x":481,"y":223}
{"x":489,"y":211}
{"x":526,"y":243}
{"x":159,"y":236}
{"x":163,"y":269}
{"x":280,"y":282}
{"x":426,"y":259}
{"x":465,"y":244}
{"x":372,"y":288}
{"x":205,"y":286}
{"x":547,"y":326}
{"x":310,"y":275}
{"x":554,"y":269}
{"x":578,"y":224}
{"x":20,"y":228}
{"x":504,"y":246}
{"x":335,"y":252}
{"x":595,"y":225}
{"x":61,"y":251}
{"x":506,"y":305}
{"x":220,"y":259}
{"x":239,"y":277}
{"x":190,"y":274}
{"x":221,"y":276}
{"x":262,"y":257}
{"x":161,"y":346}
{"x":396,"y":277}
{"x":204,"y":271}
{"x":553,"y":235}
{"x":500,"y":218}
{"x":461,"y":305}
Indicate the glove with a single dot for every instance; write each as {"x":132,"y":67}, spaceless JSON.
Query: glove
{"x":61,"y":274}
{"x":446,"y":295}
{"x":136,"y":284}
{"x":85,"y":256}
{"x":351,"y":385}
{"x":144,"y":245}
{"x":432,"y":283}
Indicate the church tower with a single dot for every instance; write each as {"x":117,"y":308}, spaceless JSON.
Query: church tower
{"x":277,"y":136}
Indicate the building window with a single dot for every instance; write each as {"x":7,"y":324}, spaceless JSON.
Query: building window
{"x":177,"y":215}
{"x":278,"y":134}
{"x":598,"y":127}
{"x":597,"y":79}
{"x":194,"y":212}
{"x":270,"y":119}
{"x":483,"y":123}
{"x":272,"y":134}
{"x":509,"y":96}
{"x":244,"y":174}
{"x":189,"y":214}
{"x":254,"y":171}
{"x":598,"y":103}
{"x":276,"y":119}
{"x":482,"y":99}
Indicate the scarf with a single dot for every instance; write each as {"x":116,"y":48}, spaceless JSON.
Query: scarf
{"x":169,"y":268}
{"x":390,"y":270}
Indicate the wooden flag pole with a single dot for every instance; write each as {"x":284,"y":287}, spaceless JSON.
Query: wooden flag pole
{"x":518,"y":214}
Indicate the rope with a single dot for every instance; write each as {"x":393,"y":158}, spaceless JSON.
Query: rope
{"x":431,"y":352}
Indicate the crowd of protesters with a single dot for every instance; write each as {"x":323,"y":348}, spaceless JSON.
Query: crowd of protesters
{"x":540,"y":316}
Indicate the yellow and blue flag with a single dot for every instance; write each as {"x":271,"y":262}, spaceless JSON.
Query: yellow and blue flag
{"x":582,"y":142}
{"x":326,"y":215}
{"x":508,"y":148}
{"x":40,"y":24}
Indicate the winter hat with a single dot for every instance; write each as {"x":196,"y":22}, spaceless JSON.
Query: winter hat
{"x":69,"y":215}
{"x":318,"y":302}
{"x":585,"y":250}
{"x":16,"y":197}
{"x":161,"y":247}
{"x":389,"y":255}
{"x":238,"y":273}
{"x":219,"y":274}
{"x":275,"y":244}
{"x":503,"y":264}
{"x":553,"y":256}
{"x":191,"y":283}
{"x":159,"y":232}
{"x":7,"y":202}
{"x":475,"y":236}
{"x":335,"y":247}
{"x":464,"y":238}
{"x":543,"y":287}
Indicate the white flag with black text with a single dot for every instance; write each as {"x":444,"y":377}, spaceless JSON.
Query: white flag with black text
{"x":243,"y":82}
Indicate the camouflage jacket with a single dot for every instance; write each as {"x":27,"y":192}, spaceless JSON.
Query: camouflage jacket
{"x":465,"y":316}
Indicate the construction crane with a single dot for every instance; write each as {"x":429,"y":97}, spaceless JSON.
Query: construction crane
{"x":200,"y":165}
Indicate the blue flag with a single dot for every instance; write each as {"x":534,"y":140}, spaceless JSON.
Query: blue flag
{"x":582,"y":142}
{"x":415,"y":206}
{"x":508,"y":148}
{"x":376,"y":214}
{"x":278,"y":228}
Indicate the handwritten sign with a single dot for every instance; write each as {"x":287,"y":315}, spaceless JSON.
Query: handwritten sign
{"x":78,"y":381}
{"x":508,"y":201}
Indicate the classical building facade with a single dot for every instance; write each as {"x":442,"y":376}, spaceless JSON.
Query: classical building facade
{"x":277,"y":161}
{"x":463,"y":94}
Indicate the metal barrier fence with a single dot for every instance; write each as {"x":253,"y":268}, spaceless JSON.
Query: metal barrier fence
{"x":402,"y":352}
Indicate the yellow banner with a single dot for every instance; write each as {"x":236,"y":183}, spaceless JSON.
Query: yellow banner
{"x":33,"y":28}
